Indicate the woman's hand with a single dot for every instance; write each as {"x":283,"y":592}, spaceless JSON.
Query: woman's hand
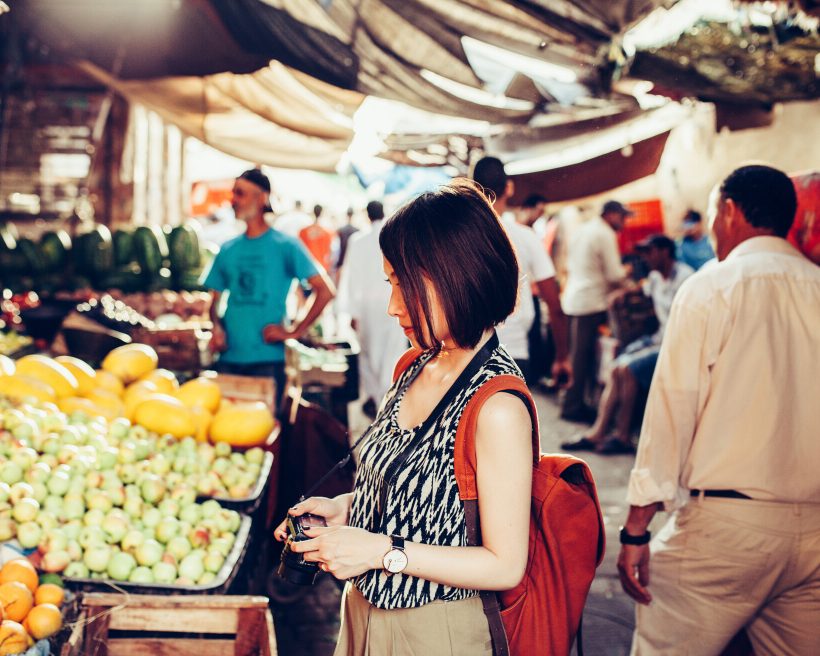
{"x":344,"y":551}
{"x":334,"y":511}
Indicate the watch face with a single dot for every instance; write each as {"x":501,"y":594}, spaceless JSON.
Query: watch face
{"x":395,"y":561}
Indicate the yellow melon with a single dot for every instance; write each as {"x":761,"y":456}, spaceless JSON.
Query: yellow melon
{"x":131,"y":362}
{"x":242,"y":424}
{"x":109,"y":403}
{"x":13,"y":638}
{"x":109,"y":381}
{"x":82,"y":371}
{"x":24,"y":387}
{"x":7,"y":366}
{"x":52,"y":373}
{"x":72,"y":404}
{"x":202,"y":392}
{"x":136,"y":393}
{"x":165,"y":380}
{"x":43,"y":620}
{"x":203,"y":420}
{"x":165,"y":414}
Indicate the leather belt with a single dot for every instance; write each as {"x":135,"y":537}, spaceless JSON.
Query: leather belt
{"x":724,"y":494}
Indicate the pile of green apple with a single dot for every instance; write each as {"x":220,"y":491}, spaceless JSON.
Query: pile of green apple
{"x":109,"y":500}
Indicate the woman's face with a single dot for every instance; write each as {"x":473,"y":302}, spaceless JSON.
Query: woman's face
{"x":397,"y":308}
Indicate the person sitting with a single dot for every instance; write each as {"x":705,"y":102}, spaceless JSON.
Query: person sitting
{"x":633,"y":369}
{"x":694,"y":247}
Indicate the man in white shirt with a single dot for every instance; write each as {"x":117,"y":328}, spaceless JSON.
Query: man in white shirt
{"x":535,"y":267}
{"x":730,"y":444}
{"x":363,"y":296}
{"x":594,"y":270}
{"x":633,"y":369}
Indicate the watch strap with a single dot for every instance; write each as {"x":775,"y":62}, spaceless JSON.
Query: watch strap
{"x":397,"y":542}
{"x":635,"y":540}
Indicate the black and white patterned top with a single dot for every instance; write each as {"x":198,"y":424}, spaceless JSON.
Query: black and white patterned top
{"x":423,"y":504}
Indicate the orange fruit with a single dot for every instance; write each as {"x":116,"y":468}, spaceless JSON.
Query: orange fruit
{"x":13,"y":638}
{"x":16,"y":600}
{"x":43,"y":621}
{"x":20,"y":569}
{"x":48,"y":593}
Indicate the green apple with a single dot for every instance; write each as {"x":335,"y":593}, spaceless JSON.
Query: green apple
{"x":55,"y":561}
{"x":38,"y":473}
{"x":20,"y":490}
{"x":76,"y":570}
{"x":151,"y":517}
{"x":167,"y":529}
{"x":11,"y":473}
{"x":97,"y":557}
{"x":152,"y":488}
{"x":8,"y":528}
{"x":25,"y":510}
{"x":148,"y":552}
{"x":141,"y":574}
{"x":133,"y":539}
{"x":121,"y":565}
{"x":91,"y":536}
{"x":58,"y":483}
{"x":213,"y":561}
{"x":191,"y":567}
{"x":29,"y":534}
{"x":164,"y":572}
{"x":255,"y":455}
{"x":93,"y":517}
{"x":210,"y":507}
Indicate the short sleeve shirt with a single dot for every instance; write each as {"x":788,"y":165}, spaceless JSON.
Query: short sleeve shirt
{"x":256,"y":275}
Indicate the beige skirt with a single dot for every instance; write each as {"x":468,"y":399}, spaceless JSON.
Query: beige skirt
{"x":440,"y":628}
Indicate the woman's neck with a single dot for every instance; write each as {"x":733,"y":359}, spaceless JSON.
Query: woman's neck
{"x":450,"y":362}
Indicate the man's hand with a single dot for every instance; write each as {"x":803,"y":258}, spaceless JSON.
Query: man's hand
{"x":276,"y":332}
{"x":562,"y":373}
{"x":633,"y":570}
{"x":218,"y":342}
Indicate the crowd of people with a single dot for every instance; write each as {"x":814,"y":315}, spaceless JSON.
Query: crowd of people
{"x":723,"y":367}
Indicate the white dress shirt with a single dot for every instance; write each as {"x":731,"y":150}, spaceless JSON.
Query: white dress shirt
{"x":662,"y":292}
{"x":534,"y":265}
{"x":593,"y":268}
{"x":735,"y":401}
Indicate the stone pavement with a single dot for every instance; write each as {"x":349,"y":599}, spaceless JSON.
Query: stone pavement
{"x":307,"y":625}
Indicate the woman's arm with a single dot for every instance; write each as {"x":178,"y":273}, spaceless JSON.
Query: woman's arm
{"x":504,"y":454}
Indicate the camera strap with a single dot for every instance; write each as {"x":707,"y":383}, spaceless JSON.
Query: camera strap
{"x":386,"y":410}
{"x":421,"y":432}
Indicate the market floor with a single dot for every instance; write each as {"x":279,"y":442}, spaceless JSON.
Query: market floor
{"x":307,"y":625}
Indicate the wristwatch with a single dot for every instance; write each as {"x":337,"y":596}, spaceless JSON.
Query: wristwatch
{"x":395,"y":560}
{"x":637,"y":540}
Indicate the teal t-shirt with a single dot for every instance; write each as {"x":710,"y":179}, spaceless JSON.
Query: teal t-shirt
{"x":256,"y":275}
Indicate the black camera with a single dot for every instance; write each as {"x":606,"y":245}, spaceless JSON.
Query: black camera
{"x":293,"y":567}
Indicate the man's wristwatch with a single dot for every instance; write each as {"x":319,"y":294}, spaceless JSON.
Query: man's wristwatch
{"x":627,"y":538}
{"x":395,"y":560}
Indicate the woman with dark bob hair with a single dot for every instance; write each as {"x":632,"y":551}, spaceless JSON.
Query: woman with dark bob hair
{"x":400,"y":537}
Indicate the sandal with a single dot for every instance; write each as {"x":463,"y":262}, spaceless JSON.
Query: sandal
{"x":582,"y":444}
{"x":613,"y":447}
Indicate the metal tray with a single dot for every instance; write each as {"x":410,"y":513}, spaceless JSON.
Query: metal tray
{"x":219,"y":585}
{"x":249,"y":504}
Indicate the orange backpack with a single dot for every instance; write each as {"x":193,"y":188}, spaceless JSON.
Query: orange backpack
{"x":542,"y":614}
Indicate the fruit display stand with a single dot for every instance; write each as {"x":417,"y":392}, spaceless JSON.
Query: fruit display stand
{"x":181,"y":348}
{"x":221,"y":583}
{"x":145,"y":625}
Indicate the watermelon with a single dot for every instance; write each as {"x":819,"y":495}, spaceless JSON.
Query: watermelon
{"x":150,"y":248}
{"x":55,"y":247}
{"x":183,"y":247}
{"x":93,"y":252}
{"x":128,"y":279}
{"x":35,"y":261}
{"x":12,"y":259}
{"x":123,"y":247}
{"x":188,"y":280}
{"x":159,"y":281}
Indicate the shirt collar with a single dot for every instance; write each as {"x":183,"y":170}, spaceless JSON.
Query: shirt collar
{"x":764,"y":244}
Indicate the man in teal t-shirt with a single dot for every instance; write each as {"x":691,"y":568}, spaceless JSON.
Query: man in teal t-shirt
{"x":255,"y":272}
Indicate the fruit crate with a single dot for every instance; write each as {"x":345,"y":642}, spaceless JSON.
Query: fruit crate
{"x":146,"y":625}
{"x":220,"y":585}
{"x":181,"y":348}
{"x":245,"y":388}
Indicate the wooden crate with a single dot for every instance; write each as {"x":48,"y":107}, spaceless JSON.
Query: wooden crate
{"x":181,"y":348}
{"x":147,"y":625}
{"x":245,"y":388}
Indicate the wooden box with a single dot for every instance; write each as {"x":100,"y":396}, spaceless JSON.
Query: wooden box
{"x":147,"y":625}
{"x":245,"y":388}
{"x":183,"y":348}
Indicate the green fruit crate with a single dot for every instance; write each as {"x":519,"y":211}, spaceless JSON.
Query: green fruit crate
{"x":220,"y":585}
{"x":145,"y":625}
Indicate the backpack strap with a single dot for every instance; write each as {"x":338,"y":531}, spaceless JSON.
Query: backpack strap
{"x":407,"y":358}
{"x":465,"y":470}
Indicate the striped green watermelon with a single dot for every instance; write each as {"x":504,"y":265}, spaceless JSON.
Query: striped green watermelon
{"x":150,"y":249}
{"x":35,"y":261}
{"x":93,"y":252}
{"x":183,"y":247}
{"x":123,"y":246}
{"x":55,"y":247}
{"x":12,"y":259}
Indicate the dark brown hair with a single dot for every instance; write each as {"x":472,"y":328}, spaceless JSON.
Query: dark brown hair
{"x":453,"y":237}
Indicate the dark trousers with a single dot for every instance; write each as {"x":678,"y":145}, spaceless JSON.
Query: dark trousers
{"x":275,"y":370}
{"x":539,"y":367}
{"x":583,"y":336}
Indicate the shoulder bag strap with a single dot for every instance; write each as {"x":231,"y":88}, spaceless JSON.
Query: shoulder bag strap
{"x":465,"y":470}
